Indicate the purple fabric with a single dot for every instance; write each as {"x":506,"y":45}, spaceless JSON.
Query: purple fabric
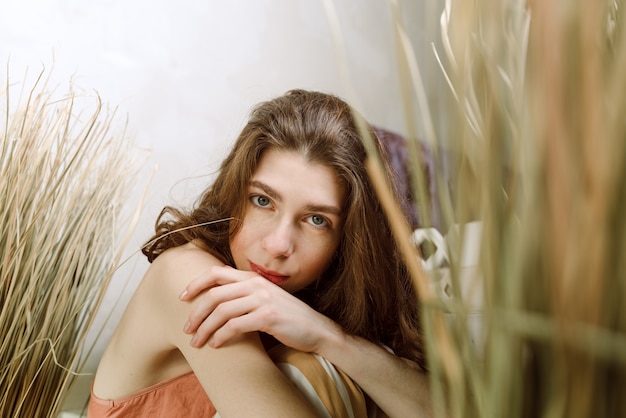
{"x":396,"y":147}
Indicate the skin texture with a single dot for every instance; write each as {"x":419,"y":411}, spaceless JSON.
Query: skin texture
{"x":288,"y":229}
{"x":281,"y":234}
{"x":239,"y":377}
{"x":396,"y":385}
{"x":292,"y":223}
{"x":289,"y":235}
{"x":366,"y":288}
{"x":360,"y":304}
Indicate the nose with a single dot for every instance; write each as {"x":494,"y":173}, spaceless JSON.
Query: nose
{"x":279,"y":241}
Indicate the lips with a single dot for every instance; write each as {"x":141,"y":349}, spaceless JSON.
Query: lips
{"x":270,"y":275}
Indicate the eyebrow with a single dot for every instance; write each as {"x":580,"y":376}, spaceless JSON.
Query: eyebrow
{"x":312,"y":207}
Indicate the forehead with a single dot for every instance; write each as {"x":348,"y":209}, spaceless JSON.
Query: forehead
{"x":292,"y":175}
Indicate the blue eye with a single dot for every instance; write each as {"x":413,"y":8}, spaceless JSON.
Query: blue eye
{"x":318,"y":221}
{"x":261,"y":201}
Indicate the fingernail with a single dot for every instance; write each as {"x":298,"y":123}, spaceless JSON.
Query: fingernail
{"x":182,"y":295}
{"x":187,"y":326}
{"x":194,"y":340}
{"x":211,"y":342}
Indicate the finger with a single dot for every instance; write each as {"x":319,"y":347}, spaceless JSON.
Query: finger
{"x":216,"y":275}
{"x":200,"y":283}
{"x":236,"y":326}
{"x":204,"y":305}
{"x":224,"y":314}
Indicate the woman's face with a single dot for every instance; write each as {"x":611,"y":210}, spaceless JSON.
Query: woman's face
{"x":292,"y":221}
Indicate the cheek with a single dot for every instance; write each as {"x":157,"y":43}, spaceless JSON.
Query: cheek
{"x":239,"y":243}
{"x":317,"y":265}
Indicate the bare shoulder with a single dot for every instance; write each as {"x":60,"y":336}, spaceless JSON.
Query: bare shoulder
{"x":153,"y":320}
{"x":164,"y":281}
{"x":187,"y":253}
{"x":179,"y":265}
{"x":157,"y":296}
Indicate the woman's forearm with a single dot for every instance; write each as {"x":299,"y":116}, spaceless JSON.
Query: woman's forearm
{"x":397,"y":386}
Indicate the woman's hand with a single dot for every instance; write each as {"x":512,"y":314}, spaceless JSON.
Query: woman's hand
{"x":228,"y":302}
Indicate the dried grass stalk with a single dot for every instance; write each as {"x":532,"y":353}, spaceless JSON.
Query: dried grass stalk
{"x":63,"y":179}
{"x":541,"y":138}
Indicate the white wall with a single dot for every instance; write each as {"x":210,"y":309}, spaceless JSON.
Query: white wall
{"x":185,"y":74}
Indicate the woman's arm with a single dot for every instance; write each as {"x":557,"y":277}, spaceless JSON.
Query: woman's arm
{"x":245,"y":302}
{"x":239,"y":377}
{"x":397,"y":385}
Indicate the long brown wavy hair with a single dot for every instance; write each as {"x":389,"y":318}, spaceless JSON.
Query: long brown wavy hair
{"x":366,"y":289}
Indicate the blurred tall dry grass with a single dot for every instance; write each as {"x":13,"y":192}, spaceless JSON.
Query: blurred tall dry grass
{"x":538,"y":134}
{"x":64,"y":175}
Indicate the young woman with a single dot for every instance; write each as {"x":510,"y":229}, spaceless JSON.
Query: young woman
{"x":291,"y":241}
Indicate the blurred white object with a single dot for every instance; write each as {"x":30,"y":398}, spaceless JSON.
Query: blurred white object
{"x":463,"y":243}
{"x":460,"y":247}
{"x":440,"y":255}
